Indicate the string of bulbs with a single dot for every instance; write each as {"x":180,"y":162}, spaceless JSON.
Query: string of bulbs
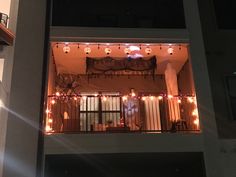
{"x":128,"y":48}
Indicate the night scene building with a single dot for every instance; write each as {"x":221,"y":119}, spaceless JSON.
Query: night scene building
{"x":117,"y":88}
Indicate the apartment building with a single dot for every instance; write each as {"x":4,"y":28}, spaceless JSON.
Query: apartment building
{"x":140,"y":89}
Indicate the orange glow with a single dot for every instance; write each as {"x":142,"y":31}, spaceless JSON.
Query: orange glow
{"x":47,"y":111}
{"x":151,"y":97}
{"x":190,"y":100}
{"x":160,"y":97}
{"x":124,"y":98}
{"x":196,"y":122}
{"x":50,"y":120}
{"x":104,"y":98}
{"x":57,"y":93}
{"x":143,"y":98}
{"x":53,"y":101}
{"x":48,"y":128}
{"x":179,"y":100}
{"x":170,"y":96}
{"x":84,"y":97}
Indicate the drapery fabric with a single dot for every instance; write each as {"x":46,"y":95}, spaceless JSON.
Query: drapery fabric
{"x":107,"y":64}
{"x":172,"y":89}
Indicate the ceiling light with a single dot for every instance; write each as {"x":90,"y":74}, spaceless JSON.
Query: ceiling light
{"x":108,"y":50}
{"x":127,"y":50}
{"x":66,"y":48}
{"x":87,"y":50}
{"x":148,"y":50}
{"x":170,"y":50}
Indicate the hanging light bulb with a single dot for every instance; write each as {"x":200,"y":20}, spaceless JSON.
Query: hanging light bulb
{"x":143,"y":98}
{"x":160,"y":97}
{"x":107,"y":50}
{"x":170,"y":50}
{"x":124,"y":98}
{"x":58,"y":94}
{"x":148,"y":50}
{"x":87,"y":50}
{"x":127,"y":50}
{"x":53,"y":101}
{"x":66,"y":48}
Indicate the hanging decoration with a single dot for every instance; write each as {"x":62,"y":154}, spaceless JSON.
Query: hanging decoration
{"x":127,"y":50}
{"x":103,"y":65}
{"x":170,"y":50}
{"x":107,"y":50}
{"x":148,"y":50}
{"x":87,"y":50}
{"x":66,"y":48}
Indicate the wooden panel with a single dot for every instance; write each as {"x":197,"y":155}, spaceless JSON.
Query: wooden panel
{"x":6,"y":36}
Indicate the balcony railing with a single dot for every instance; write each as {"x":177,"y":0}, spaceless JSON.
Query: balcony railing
{"x":116,"y":113}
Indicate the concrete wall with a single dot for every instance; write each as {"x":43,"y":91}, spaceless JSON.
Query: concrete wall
{"x":24,"y":85}
{"x":220,"y":51}
{"x":123,"y":142}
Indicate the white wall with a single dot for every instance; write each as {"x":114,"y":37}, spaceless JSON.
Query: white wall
{"x":1,"y":68}
{"x":5,"y":6}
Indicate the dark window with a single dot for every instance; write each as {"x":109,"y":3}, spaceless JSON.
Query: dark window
{"x":225,"y":11}
{"x":132,"y":14}
{"x":231,"y":91}
{"x":172,"y":164}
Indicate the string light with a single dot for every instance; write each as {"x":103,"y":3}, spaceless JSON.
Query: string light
{"x":66,"y":48}
{"x":87,"y":50}
{"x":107,"y":50}
{"x":124,"y":98}
{"x":127,"y":50}
{"x":104,"y":98}
{"x":47,"y":111}
{"x":53,"y":101}
{"x":50,"y":120}
{"x":160,"y":97}
{"x":170,"y":50}
{"x":57,"y":93}
{"x":170,"y":96}
{"x":143,"y":98}
{"x":148,"y":50}
{"x":151,"y":97}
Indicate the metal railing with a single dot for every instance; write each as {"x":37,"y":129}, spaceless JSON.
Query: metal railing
{"x":94,"y":114}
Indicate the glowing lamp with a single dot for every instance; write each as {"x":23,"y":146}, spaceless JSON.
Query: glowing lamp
{"x":151,"y":97}
{"x":87,"y":50}
{"x":170,"y":50}
{"x":127,"y":50}
{"x":57,"y":93}
{"x":124,"y":98}
{"x":148,"y":50}
{"x":108,"y":50}
{"x":66,"y":49}
{"x":160,"y":97}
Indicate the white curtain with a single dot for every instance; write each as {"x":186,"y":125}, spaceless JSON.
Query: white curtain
{"x":172,"y":89}
{"x":152,"y":113}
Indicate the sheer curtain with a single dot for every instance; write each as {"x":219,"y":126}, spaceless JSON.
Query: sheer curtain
{"x":172,"y":89}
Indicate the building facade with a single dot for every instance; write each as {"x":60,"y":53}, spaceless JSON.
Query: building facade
{"x":32,"y":144}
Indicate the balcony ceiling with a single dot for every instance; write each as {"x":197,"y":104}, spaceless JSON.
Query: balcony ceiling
{"x":74,"y":62}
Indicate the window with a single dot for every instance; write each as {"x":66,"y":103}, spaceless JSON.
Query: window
{"x":231,"y":91}
{"x":97,"y":112}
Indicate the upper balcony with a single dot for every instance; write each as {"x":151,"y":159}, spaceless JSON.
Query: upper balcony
{"x":120,"y":87}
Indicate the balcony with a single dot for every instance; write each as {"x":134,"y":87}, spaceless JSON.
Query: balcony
{"x":114,"y":113}
{"x":120,"y":88}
